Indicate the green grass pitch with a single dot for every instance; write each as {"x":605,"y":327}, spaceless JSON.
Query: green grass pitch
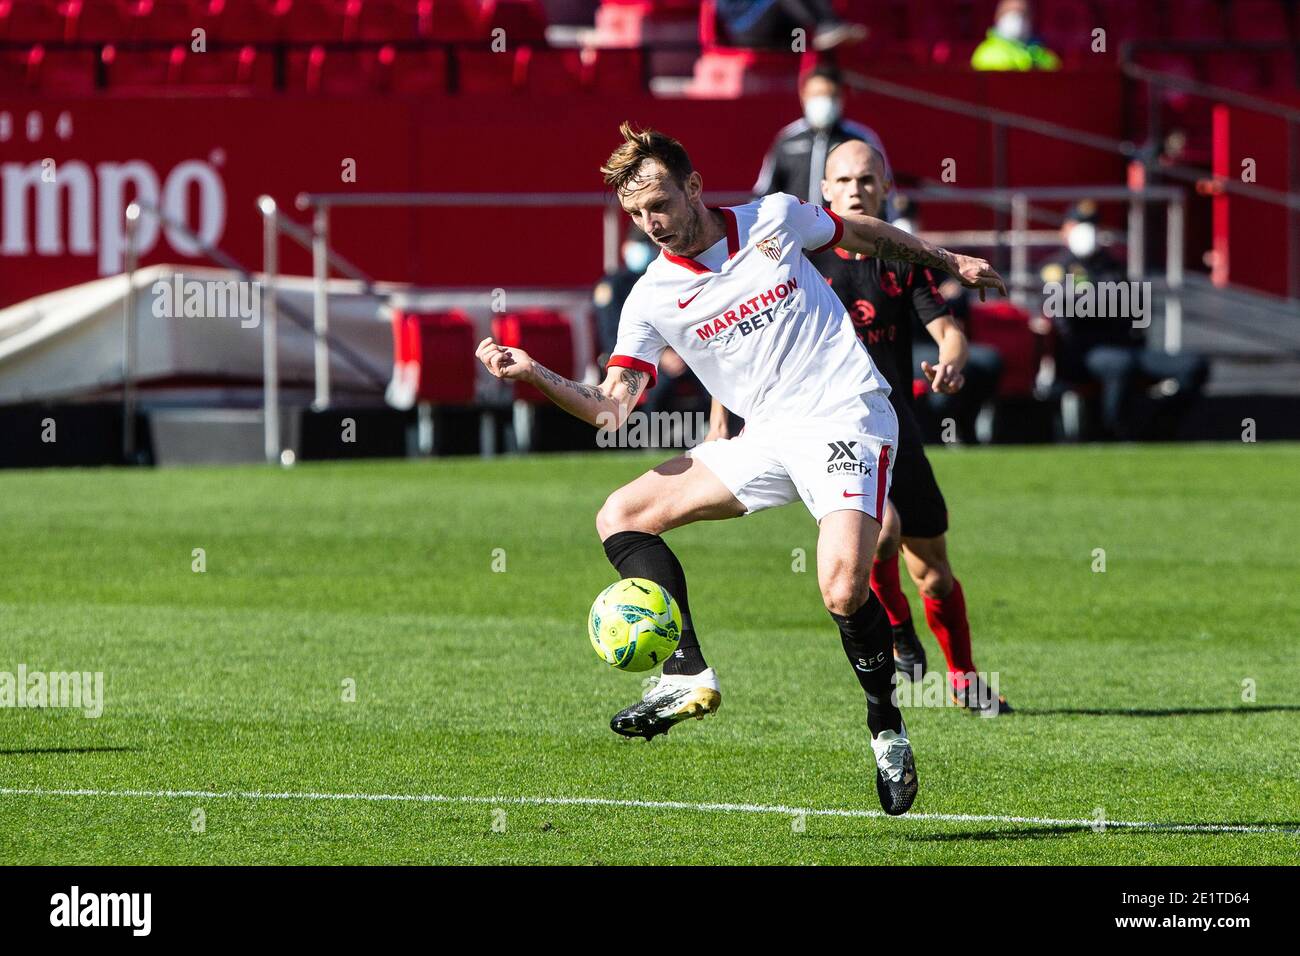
{"x":479,"y":686}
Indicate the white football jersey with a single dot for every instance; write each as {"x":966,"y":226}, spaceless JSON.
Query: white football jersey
{"x":752,"y":317}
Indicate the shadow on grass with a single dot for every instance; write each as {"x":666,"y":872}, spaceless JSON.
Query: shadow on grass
{"x":1153,"y":711}
{"x":1055,"y":832}
{"x":9,"y":752}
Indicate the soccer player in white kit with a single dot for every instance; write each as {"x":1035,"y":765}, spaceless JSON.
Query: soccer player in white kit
{"x":733,"y":293}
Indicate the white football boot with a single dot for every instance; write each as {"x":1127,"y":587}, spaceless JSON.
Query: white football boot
{"x":671,"y":698}
{"x":896,"y":782}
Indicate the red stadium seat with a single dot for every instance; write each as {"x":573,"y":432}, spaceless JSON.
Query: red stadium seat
{"x":322,"y":21}
{"x":417,"y":71}
{"x":70,"y":72}
{"x":450,"y":20}
{"x":482,"y":71}
{"x":645,"y":23}
{"x":129,"y":69}
{"x":615,"y":71}
{"x":1237,"y":71}
{"x":1126,"y":20}
{"x":32,"y":21}
{"x":1195,"y":20}
{"x":732,"y":72}
{"x":546,"y":336}
{"x":437,"y":351}
{"x":524,"y":21}
{"x":228,"y":70}
{"x":552,"y":72}
{"x":1005,"y":327}
{"x":1066,"y":25}
{"x":385,"y":20}
{"x":1259,"y":21}
{"x":320,"y":71}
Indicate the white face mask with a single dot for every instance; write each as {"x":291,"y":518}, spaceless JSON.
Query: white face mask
{"x":1013,"y":25}
{"x":821,"y":112}
{"x":1082,"y":240}
{"x":637,"y":256}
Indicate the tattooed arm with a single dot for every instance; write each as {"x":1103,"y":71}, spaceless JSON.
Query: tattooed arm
{"x":605,"y":406}
{"x":872,"y":237}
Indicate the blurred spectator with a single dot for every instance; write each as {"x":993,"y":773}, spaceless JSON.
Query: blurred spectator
{"x":983,"y":367}
{"x":770,"y":23}
{"x":1107,"y":350}
{"x":795,"y":162}
{"x":675,"y":384}
{"x":1011,"y":45}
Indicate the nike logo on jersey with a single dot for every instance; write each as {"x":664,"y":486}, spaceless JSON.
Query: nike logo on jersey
{"x":682,"y":305}
{"x":857,"y":494}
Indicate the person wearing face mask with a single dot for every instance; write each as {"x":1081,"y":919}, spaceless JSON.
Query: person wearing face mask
{"x":608,"y":297}
{"x":1109,"y":351}
{"x":1011,"y":45}
{"x":795,"y":162}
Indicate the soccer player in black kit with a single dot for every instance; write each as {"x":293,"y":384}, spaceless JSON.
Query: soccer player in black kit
{"x":884,"y":297}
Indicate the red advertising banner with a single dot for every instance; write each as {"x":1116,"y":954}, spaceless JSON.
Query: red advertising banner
{"x":206,"y":159}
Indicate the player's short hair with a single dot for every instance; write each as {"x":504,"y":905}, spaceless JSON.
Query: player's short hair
{"x":621,"y":169}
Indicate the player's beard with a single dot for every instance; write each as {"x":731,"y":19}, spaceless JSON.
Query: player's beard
{"x":687,"y":239}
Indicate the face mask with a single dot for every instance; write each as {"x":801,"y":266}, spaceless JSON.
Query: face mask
{"x":1013,"y":26}
{"x":637,"y":256}
{"x":1082,"y":240}
{"x":821,"y":112}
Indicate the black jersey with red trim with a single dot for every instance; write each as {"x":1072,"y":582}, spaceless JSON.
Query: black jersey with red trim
{"x":884,"y":299}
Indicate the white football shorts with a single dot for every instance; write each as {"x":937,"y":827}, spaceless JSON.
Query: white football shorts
{"x":840,"y":460}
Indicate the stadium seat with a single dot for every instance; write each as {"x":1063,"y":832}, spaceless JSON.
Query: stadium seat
{"x":645,"y":23}
{"x":322,"y":21}
{"x":449,"y":20}
{"x":1259,"y":21}
{"x":615,"y":71}
{"x":327,"y":72}
{"x":552,"y":72}
{"x":387,"y":20}
{"x":732,"y":72}
{"x":546,"y":336}
{"x":482,"y":71}
{"x":1125,"y":20}
{"x":132,"y":69}
{"x":436,"y":351}
{"x":1005,"y":327}
{"x":524,"y":21}
{"x":1066,"y":26}
{"x":414,"y":72}
{"x":227,"y":70}
{"x":1237,"y":71}
{"x":69,"y":72}
{"x":32,"y":21}
{"x":1195,"y":20}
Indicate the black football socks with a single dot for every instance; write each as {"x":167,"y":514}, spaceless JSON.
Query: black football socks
{"x":869,"y":643}
{"x":637,"y":554}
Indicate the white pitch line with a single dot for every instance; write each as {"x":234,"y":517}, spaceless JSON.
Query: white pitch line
{"x":651,"y":805}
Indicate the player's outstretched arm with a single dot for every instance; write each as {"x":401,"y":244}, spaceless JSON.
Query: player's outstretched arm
{"x":605,"y":406}
{"x":873,"y":237}
{"x":946,"y":374}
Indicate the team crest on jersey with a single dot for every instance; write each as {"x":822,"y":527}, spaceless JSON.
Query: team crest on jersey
{"x":771,"y":247}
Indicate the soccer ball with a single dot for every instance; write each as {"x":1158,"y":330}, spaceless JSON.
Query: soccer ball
{"x":634,"y":625}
